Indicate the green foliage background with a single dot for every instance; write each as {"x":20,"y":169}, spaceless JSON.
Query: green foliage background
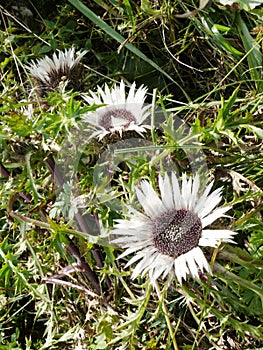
{"x":206,"y":69}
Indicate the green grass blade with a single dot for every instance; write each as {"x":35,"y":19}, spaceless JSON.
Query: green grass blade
{"x":116,"y":36}
{"x":130,"y":14}
{"x":254,"y":56}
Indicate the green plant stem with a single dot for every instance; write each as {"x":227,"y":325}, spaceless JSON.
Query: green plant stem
{"x":166,"y":315}
{"x":38,"y":223}
{"x":190,"y":297}
{"x":36,"y":195}
{"x":132,"y":324}
{"x":240,"y":257}
{"x":206,"y":295}
{"x":153,"y":123}
{"x":223,"y":273}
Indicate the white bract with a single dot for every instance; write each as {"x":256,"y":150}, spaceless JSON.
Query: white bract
{"x":120,"y":113}
{"x":166,"y":238}
{"x":48,"y":72}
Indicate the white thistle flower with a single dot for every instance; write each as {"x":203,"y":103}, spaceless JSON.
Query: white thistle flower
{"x":120,"y":113}
{"x":167,"y":237}
{"x":48,"y":73}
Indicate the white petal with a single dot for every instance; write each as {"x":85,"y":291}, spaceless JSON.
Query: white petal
{"x":159,"y":266}
{"x":180,"y":268}
{"x":116,"y":98}
{"x":176,"y":192}
{"x":186,"y":188}
{"x":201,"y":260}
{"x":60,"y":62}
{"x":166,"y":191}
{"x":131,"y":241}
{"x":216,"y":214}
{"x":140,"y":94}
{"x":193,"y":196}
{"x":149,"y":199}
{"x":135,"y":258}
{"x":145,"y":263}
{"x":130,"y":97}
{"x":212,"y":237}
{"x":191,"y":262}
{"x":169,"y":268}
{"x":210,"y":203}
{"x":202,"y":199}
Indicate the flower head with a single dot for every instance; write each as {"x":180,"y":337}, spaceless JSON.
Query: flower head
{"x":120,"y":113}
{"x":167,"y":237}
{"x":48,"y":73}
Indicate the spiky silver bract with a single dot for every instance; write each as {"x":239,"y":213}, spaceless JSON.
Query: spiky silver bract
{"x":120,"y":114}
{"x":166,"y":238}
{"x":48,"y":73}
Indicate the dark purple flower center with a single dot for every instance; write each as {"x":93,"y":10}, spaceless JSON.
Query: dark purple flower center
{"x":176,"y":232}
{"x":120,"y":113}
